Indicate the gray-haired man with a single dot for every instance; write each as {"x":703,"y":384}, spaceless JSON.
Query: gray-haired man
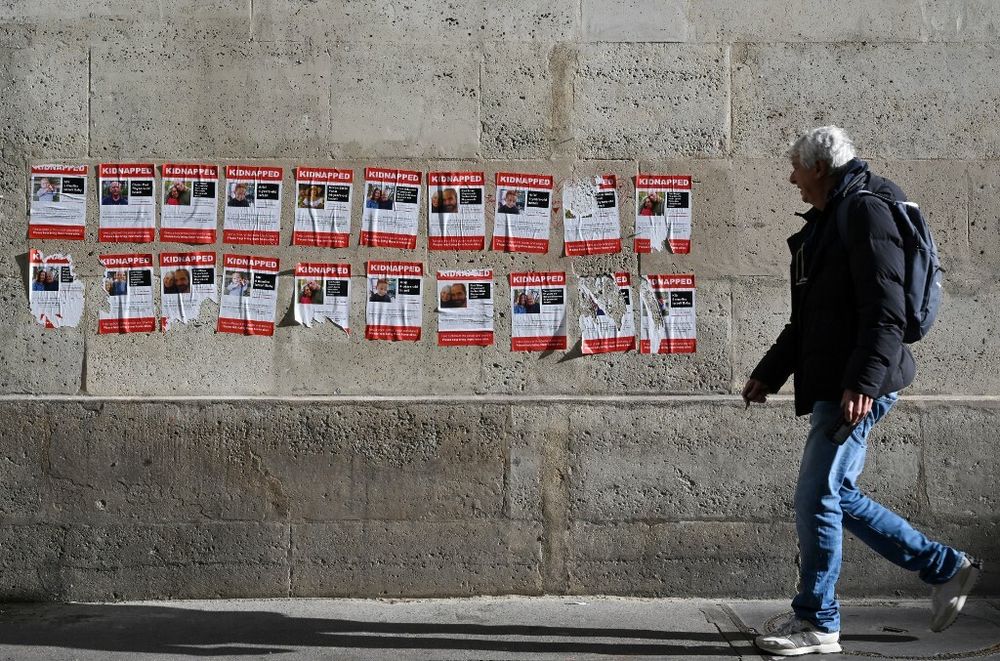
{"x":844,"y":345}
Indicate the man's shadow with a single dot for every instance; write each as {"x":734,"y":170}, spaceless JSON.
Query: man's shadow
{"x":169,"y":630}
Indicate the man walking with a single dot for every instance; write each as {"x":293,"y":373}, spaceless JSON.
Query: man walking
{"x":844,"y":345}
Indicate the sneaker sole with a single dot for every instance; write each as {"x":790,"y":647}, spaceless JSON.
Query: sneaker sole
{"x":825,"y":648}
{"x":947,"y":617}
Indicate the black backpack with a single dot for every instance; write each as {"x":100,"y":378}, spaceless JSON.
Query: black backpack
{"x":922,"y":275}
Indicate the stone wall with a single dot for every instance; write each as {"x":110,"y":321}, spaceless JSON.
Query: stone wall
{"x":317,"y":463}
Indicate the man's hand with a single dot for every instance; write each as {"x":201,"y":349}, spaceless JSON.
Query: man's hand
{"x":755,"y":391}
{"x":855,"y":406}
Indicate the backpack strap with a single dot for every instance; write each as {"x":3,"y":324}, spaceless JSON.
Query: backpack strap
{"x":842,"y":219}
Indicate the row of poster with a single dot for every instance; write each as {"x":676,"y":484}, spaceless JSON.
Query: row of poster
{"x":456,"y":205}
{"x":464,"y":301}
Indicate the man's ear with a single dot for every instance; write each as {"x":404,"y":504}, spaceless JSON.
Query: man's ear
{"x":822,"y":169}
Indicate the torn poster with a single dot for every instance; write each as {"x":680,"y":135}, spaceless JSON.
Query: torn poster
{"x":392,"y":208}
{"x":523,"y":213}
{"x":249,"y":295}
{"x":663,"y":213}
{"x":538,"y":311}
{"x":323,"y":291}
{"x":607,"y":319}
{"x":253,"y":205}
{"x":187,"y":279}
{"x":591,"y":223}
{"x":190,"y":203}
{"x":465,"y":308}
{"x":668,"y":314}
{"x":128,"y":204}
{"x":393,"y":310}
{"x":54,"y":292}
{"x":456,"y":218}
{"x":58,"y":202}
{"x":322,"y":207}
{"x":128,"y":282}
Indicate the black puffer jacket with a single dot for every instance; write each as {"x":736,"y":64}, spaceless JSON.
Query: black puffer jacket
{"x":846,"y":328}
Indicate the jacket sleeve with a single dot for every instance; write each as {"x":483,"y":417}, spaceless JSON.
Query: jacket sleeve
{"x":877,"y":265}
{"x":779,"y":361}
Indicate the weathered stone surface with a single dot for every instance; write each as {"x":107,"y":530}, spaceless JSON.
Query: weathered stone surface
{"x":635,"y":21}
{"x":651,"y":101}
{"x":433,"y":108}
{"x":897,"y":101}
{"x":415,"y":558}
{"x":671,"y":558}
{"x":436,"y":22}
{"x":235,"y":97}
{"x":961,"y":462}
{"x":30,"y":559}
{"x":959,"y":354}
{"x":761,"y":308}
{"x":984,"y":216}
{"x":44,"y":108}
{"x":809,"y":21}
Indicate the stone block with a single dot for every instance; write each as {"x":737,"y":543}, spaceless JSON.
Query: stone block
{"x":898,"y":101}
{"x":387,"y":460}
{"x":35,"y":359}
{"x":958,"y":356}
{"x":656,"y":462}
{"x":402,"y":100}
{"x":435,"y":22}
{"x":635,"y":21}
{"x":23,"y":445}
{"x":230,"y":560}
{"x":413,"y":558}
{"x":984,"y":217}
{"x":44,"y":109}
{"x":651,"y":101}
{"x":523,"y":112}
{"x":761,"y":308}
{"x":810,"y":21}
{"x":682,"y":559}
{"x":30,"y":555}
{"x":961,"y":21}
{"x":960,"y":462}
{"x":239,"y":100}
{"x":156,"y":461}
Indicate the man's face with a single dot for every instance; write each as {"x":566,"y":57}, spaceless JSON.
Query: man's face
{"x":182,"y":280}
{"x":510,"y":199}
{"x":811,"y":182}
{"x":382,"y":288}
{"x":458,"y":294}
{"x":240,"y":192}
{"x":115,"y":188}
{"x":450,"y":198}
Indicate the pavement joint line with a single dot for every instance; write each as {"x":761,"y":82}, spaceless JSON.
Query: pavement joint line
{"x":748,"y":632}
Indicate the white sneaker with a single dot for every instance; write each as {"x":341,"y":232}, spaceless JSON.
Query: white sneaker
{"x":948,"y":598}
{"x":795,"y":636}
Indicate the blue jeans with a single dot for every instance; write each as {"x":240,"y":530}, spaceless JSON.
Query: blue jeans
{"x":827,"y":500}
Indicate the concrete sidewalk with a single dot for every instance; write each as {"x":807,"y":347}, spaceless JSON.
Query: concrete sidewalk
{"x":480,"y":628}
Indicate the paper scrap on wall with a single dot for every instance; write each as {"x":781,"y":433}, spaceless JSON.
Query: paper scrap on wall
{"x":523,"y":212}
{"x":128,"y":283}
{"x":322,"y":207}
{"x":128,"y":203}
{"x":58,"y":202}
{"x":663,"y":213}
{"x":187,"y":279}
{"x":392,"y":208}
{"x":249,"y":294}
{"x":538,"y":311}
{"x":465,"y":308}
{"x":607,"y":319}
{"x":668,"y":314}
{"x":456,"y":213}
{"x":393,"y":310}
{"x":591,"y":223}
{"x":54,"y":292}
{"x":323,"y":291}
{"x":253,"y":205}
{"x":190,"y":203}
